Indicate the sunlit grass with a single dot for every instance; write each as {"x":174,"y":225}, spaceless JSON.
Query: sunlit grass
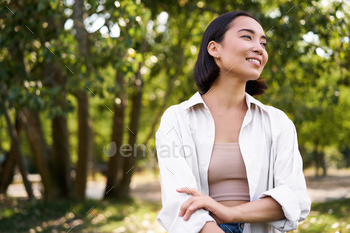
{"x":89,"y":216}
{"x":329,"y":217}
{"x":134,"y":216}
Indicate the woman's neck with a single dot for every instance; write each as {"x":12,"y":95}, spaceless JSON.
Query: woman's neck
{"x":226,"y":94}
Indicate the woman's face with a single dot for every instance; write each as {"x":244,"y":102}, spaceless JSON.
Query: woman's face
{"x":243,"y":48}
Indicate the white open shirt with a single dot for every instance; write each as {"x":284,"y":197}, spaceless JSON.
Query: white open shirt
{"x":269,"y":146}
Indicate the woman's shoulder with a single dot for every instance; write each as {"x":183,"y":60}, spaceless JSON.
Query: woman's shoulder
{"x":278,"y":119}
{"x":272,"y":111}
{"x":171,"y":116}
{"x":171,"y":112}
{"x":278,"y":113}
{"x":177,"y":110}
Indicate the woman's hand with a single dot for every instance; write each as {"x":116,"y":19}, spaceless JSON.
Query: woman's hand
{"x":198,"y":201}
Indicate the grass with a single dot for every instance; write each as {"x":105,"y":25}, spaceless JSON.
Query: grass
{"x":89,"y":216}
{"x":329,"y":217}
{"x":133,"y":216}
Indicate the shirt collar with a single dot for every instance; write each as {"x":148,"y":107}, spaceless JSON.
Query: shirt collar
{"x":197,"y":99}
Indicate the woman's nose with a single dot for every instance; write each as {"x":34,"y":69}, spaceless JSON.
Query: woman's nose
{"x":258,"y":49}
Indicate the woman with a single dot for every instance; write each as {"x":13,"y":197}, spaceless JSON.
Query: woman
{"x":228,"y":163}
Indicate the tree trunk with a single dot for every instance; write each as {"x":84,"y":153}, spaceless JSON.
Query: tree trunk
{"x":346,"y":155}
{"x":84,"y":143}
{"x":323,"y":163}
{"x":114,"y":171}
{"x":8,"y":170}
{"x":1,"y":139}
{"x":41,"y":152}
{"x":130,"y":161}
{"x":60,"y":146}
{"x":8,"y":166}
{"x":80,"y":35}
{"x":316,"y":158}
{"x":84,"y":123}
{"x":17,"y":151}
{"x":60,"y":154}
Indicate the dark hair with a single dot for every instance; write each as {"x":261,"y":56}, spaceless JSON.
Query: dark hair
{"x":206,"y":70}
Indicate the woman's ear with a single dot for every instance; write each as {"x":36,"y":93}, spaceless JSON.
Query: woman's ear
{"x":213,"y":49}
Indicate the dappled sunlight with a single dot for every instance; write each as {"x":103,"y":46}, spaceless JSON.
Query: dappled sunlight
{"x":106,"y":216}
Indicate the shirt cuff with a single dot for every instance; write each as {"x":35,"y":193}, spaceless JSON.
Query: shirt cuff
{"x":290,"y":206}
{"x":208,"y":218}
{"x":193,"y":225}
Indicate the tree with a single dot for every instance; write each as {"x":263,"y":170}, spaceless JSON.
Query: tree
{"x":85,"y":124}
{"x":34,"y":79}
{"x":17,"y":149}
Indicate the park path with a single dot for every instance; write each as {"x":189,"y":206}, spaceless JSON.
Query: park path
{"x":320,"y":189}
{"x":323,"y":189}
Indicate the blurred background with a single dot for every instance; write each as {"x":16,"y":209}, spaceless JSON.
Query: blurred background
{"x":81,"y":80}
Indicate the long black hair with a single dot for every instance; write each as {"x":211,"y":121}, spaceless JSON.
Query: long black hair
{"x":206,"y":70}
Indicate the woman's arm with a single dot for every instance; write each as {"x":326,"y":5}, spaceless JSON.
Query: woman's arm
{"x":263,"y":210}
{"x":175,"y":171}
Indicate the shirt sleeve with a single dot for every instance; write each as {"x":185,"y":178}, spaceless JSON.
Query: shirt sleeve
{"x":289,"y":181}
{"x":175,"y":173}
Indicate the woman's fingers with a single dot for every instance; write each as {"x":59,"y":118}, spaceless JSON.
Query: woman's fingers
{"x":191,"y":191}
{"x":192,"y":204}
{"x":192,"y":208}
{"x":188,"y":202}
{"x":186,"y":205}
{"x":197,"y":201}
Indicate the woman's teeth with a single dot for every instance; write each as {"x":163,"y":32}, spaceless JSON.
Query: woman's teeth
{"x":254,"y":60}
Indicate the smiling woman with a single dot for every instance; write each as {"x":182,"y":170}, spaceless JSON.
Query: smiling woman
{"x":230,"y":31}
{"x":244,"y":172}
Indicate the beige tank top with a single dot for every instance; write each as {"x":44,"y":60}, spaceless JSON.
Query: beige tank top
{"x":227,"y":175}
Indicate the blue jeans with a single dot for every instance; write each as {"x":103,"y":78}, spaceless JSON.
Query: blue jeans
{"x":231,"y":227}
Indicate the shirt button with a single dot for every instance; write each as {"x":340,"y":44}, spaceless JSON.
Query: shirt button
{"x":209,"y":134}
{"x":203,"y":164}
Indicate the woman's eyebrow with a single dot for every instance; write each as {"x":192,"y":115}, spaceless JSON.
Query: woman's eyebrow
{"x":251,"y":31}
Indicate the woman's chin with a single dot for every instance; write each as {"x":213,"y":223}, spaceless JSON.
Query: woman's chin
{"x":253,"y":77}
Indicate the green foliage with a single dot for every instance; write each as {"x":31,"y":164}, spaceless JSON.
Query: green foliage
{"x":308,"y":79}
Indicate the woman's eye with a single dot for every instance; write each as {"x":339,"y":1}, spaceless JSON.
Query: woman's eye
{"x":247,"y":37}
{"x":264,"y":44}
